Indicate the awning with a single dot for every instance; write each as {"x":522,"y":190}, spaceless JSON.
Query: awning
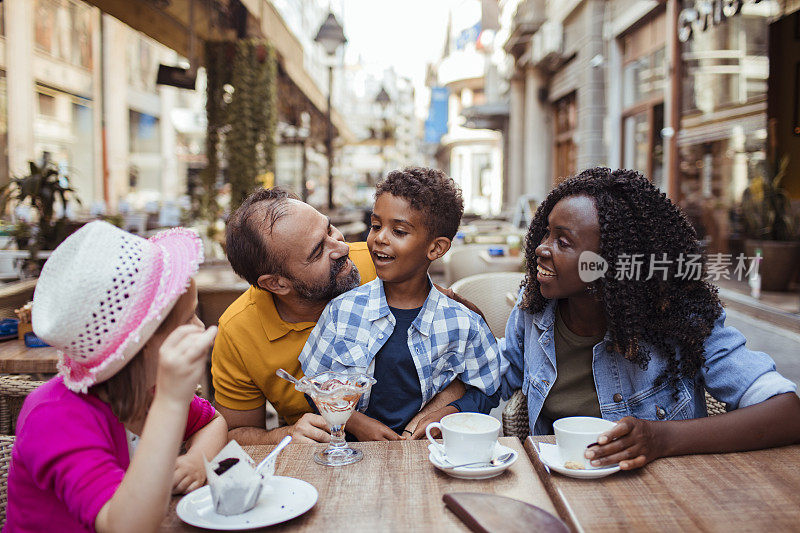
{"x":493,"y":116}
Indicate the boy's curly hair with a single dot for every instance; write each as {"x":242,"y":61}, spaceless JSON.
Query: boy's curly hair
{"x":430,"y":191}
{"x":675,"y":316}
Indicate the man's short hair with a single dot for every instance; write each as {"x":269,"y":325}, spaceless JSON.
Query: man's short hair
{"x":430,"y":191}
{"x":246,"y":245}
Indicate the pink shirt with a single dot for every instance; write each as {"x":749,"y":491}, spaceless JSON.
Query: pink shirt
{"x":69,"y":457}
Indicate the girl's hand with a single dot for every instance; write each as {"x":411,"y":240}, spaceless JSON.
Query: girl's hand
{"x":190,"y":474}
{"x":632,"y":443}
{"x":182,"y":361}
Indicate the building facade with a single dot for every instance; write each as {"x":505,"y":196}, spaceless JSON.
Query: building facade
{"x":78,"y":88}
{"x":472,"y":156}
{"x":60,"y":58}
{"x":379,"y":108}
{"x":686,"y":91}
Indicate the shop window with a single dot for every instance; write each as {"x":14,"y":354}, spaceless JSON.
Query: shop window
{"x":643,"y":142}
{"x":726,"y":65}
{"x":142,"y":63}
{"x":47,"y":105}
{"x":481,"y":174}
{"x":566,"y":120}
{"x":63,"y":29}
{"x":643,"y":84}
{"x":144,"y":133}
{"x":82,"y":149}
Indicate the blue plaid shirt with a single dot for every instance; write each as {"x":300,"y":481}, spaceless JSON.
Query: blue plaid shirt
{"x":446,"y":341}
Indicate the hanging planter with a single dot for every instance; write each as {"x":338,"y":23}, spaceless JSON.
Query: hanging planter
{"x":240,"y":105}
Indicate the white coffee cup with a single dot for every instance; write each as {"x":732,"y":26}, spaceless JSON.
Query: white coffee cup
{"x":575,"y":433}
{"x":468,"y":437}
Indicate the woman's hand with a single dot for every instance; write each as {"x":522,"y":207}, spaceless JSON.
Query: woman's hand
{"x":632,"y":443}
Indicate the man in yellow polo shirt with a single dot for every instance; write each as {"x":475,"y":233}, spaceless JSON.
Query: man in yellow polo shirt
{"x":295,"y":262}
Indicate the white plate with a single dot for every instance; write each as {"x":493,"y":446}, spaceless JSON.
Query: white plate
{"x":288,"y":498}
{"x":472,"y":472}
{"x":550,"y":456}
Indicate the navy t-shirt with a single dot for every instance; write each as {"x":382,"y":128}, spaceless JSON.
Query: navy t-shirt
{"x":397,"y":395}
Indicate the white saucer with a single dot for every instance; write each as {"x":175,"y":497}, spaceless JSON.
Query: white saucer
{"x":550,"y":456}
{"x":472,"y":472}
{"x":288,"y":498}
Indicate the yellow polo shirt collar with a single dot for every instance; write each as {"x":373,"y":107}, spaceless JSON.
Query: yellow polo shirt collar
{"x":274,"y":326}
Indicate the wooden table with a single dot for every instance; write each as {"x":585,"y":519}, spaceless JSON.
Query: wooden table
{"x":16,"y":358}
{"x":750,"y":491}
{"x":394,"y":488}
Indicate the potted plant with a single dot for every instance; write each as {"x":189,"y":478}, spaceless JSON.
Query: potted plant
{"x":22,"y":234}
{"x":771,"y":227}
{"x":43,"y":186}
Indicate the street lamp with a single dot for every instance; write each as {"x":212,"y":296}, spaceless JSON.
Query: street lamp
{"x":297,"y":136}
{"x":383,"y":100}
{"x":331,"y":37}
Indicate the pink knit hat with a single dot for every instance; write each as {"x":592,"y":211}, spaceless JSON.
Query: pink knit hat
{"x":104,"y":292}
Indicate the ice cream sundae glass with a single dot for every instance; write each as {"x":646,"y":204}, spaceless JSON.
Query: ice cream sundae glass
{"x":336,"y":395}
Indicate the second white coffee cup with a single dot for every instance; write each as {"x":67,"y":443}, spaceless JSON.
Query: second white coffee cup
{"x":575,"y":433}
{"x":468,"y":437}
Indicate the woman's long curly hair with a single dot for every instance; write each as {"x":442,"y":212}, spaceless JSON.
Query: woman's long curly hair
{"x":674,"y":316}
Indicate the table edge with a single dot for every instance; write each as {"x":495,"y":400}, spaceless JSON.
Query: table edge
{"x":544,"y":476}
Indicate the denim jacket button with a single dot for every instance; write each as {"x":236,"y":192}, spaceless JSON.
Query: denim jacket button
{"x":661,"y":413}
{"x":617,"y":397}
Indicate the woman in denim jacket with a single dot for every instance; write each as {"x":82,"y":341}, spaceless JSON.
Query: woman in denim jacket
{"x":616,"y":287}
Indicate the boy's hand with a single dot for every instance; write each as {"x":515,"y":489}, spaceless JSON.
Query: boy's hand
{"x":419,"y":431}
{"x":182,"y":361}
{"x":310,"y":428}
{"x":365,"y":428}
{"x":190,"y":473}
{"x":632,"y":443}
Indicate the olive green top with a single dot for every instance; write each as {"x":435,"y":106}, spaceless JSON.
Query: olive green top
{"x":574,"y":392}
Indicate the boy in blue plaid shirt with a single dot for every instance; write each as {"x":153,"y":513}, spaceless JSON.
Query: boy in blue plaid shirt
{"x":399,"y":328}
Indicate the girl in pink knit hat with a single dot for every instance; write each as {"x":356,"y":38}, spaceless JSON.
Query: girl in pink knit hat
{"x":97,"y":446}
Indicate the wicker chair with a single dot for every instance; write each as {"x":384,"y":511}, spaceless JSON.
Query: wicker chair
{"x":489,"y":292}
{"x":13,"y":391}
{"x":515,"y":417}
{"x":6,"y":443}
{"x":714,"y":406}
{"x":15,"y":295}
{"x":465,"y":260}
{"x":515,"y":414}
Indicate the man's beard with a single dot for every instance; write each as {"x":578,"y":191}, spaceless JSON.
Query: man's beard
{"x":330,"y":289}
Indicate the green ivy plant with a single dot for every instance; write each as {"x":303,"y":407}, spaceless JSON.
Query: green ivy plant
{"x":241,"y":111}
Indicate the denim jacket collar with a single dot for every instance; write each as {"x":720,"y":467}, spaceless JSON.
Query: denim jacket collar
{"x":545,"y":318}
